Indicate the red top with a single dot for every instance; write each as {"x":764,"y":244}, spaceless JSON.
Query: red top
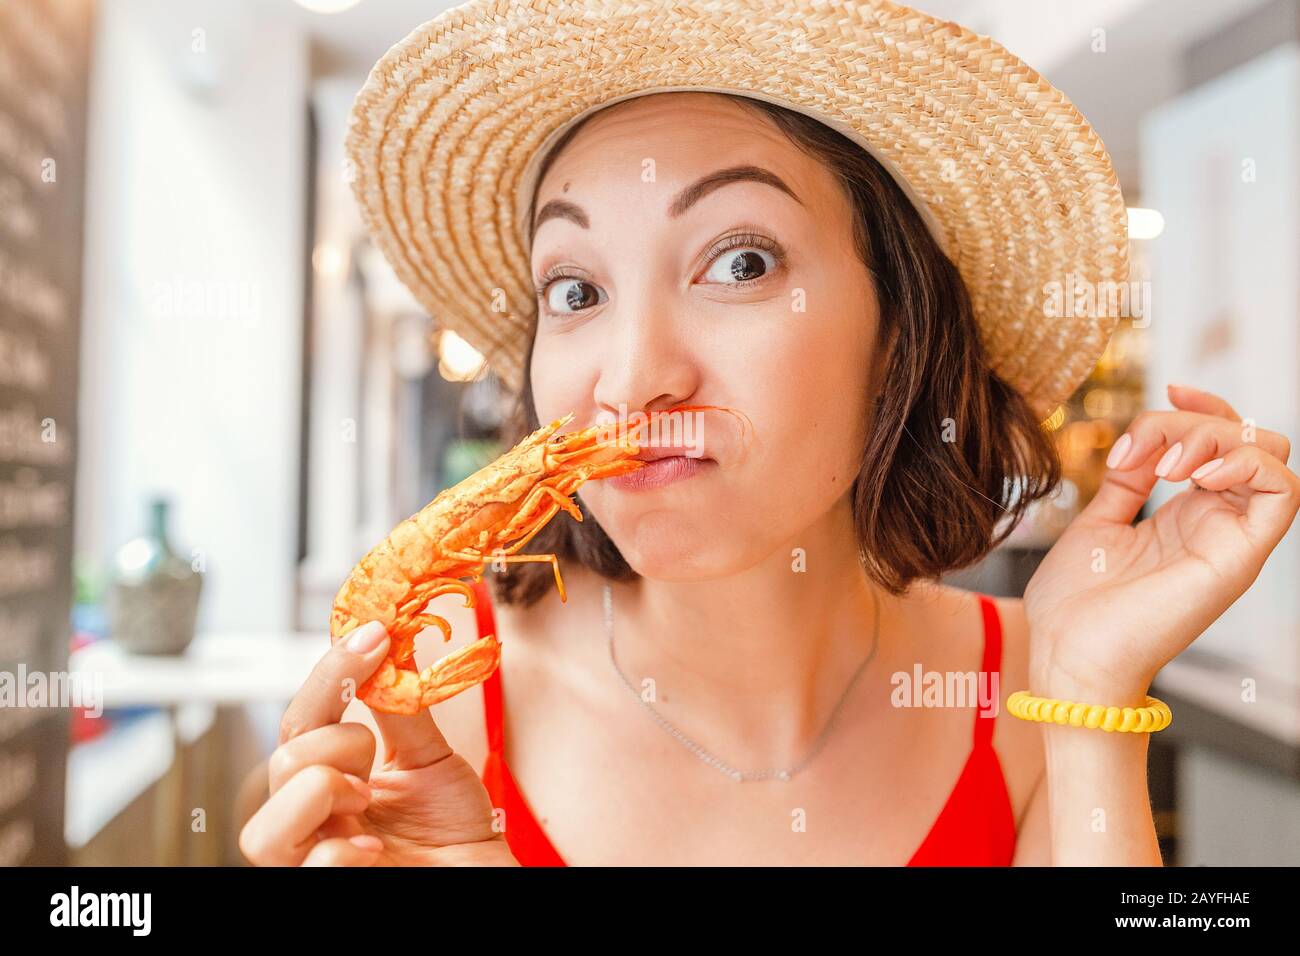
{"x":975,"y":828}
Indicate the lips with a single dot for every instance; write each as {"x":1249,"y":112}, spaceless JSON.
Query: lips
{"x":656,"y":452}
{"x":660,"y":471}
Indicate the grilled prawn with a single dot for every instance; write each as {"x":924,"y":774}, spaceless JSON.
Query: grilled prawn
{"x":488,"y":517}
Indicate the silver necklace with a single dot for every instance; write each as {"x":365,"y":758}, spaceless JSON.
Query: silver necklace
{"x":740,"y":775}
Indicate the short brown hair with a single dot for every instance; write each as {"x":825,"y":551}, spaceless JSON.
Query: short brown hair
{"x":953,"y":449}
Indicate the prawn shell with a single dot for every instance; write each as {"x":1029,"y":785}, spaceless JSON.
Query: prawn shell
{"x":430,"y":521}
{"x":366,"y":597}
{"x":379,"y":572}
{"x":341,"y":621}
{"x":410,"y":551}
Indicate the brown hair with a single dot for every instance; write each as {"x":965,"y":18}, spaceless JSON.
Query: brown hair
{"x":953,"y":448}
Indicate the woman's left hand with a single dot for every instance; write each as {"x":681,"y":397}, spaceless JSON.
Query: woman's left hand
{"x":1113,"y":602}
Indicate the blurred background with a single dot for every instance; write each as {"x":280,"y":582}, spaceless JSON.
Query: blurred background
{"x":215,"y":396}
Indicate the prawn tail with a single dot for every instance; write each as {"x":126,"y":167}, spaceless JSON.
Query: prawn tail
{"x":397,"y":690}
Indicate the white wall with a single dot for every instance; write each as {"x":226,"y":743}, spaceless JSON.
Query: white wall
{"x":196,"y":158}
{"x":338,"y":346}
{"x":354,"y":480}
{"x":1220,"y":164}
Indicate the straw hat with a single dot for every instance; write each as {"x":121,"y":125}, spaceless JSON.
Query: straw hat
{"x":447,"y":134}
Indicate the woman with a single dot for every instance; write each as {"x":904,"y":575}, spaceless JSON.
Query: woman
{"x":766,"y":606}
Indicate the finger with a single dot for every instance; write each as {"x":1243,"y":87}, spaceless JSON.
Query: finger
{"x":1192,"y":399}
{"x":362,"y":850}
{"x":1169,"y":445}
{"x":340,"y":825}
{"x":348,"y":747}
{"x":1274,"y":492}
{"x":1152,"y":431}
{"x":411,"y":741}
{"x":1121,"y":494}
{"x":334,"y":680}
{"x":281,"y":832}
{"x":1211,"y":438}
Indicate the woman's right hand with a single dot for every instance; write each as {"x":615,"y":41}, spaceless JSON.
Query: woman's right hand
{"x":425,"y":806}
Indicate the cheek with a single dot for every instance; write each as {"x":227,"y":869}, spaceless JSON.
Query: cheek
{"x":807,"y":377}
{"x":811,"y":374}
{"x":560,"y":384}
{"x":814,"y":345}
{"x":810,"y":458}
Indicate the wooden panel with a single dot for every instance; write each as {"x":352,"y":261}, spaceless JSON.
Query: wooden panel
{"x":44,"y":53}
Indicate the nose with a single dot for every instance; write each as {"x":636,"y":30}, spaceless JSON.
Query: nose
{"x":648,"y":363}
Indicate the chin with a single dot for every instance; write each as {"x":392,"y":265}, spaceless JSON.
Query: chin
{"x":672,"y":551}
{"x":669,"y":567}
{"x":681,"y":541}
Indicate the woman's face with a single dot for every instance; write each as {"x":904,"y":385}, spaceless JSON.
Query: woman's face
{"x":673,"y":289}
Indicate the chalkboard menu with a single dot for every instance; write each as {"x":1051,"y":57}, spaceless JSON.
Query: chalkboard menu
{"x":44,"y":54}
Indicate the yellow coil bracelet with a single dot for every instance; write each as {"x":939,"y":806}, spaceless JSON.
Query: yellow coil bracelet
{"x":1137,"y":720}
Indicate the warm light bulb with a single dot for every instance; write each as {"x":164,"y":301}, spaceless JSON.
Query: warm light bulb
{"x":329,"y":260}
{"x":1144,"y":223}
{"x":458,"y":361}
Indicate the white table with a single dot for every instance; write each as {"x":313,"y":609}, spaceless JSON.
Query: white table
{"x":217,"y":670}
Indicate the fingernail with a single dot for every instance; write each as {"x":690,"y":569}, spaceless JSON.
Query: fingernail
{"x":1169,"y":459}
{"x":359,"y":785}
{"x":1181,"y":385}
{"x":365,"y":841}
{"x":1119,"y":450}
{"x":366,"y":638}
{"x":1206,"y":468}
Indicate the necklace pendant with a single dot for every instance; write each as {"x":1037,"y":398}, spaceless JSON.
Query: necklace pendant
{"x":783,"y":775}
{"x":737,"y":776}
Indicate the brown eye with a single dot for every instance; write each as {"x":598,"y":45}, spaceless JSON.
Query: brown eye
{"x":572,"y":295}
{"x":741,"y":265}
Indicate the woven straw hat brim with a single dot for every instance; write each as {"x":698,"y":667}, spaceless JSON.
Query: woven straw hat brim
{"x":447,"y":134}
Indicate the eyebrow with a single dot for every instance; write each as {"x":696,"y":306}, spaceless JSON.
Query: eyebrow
{"x":684,"y":200}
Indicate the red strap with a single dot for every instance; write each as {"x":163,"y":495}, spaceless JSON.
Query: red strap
{"x":491,"y":686}
{"x":483,"y":610}
{"x":990,"y":665}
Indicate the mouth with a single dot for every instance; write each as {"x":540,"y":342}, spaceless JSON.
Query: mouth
{"x":666,"y":467}
{"x":658,"y":452}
